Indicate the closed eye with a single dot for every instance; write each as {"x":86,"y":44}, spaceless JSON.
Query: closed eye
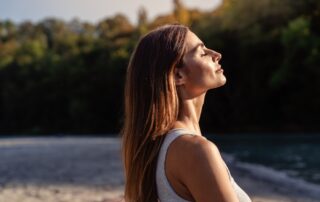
{"x":204,"y":54}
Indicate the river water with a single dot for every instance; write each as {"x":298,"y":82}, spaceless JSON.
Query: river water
{"x":296,"y":155}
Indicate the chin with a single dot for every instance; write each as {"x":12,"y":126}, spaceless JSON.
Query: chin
{"x":223,"y":81}
{"x":219,"y":83}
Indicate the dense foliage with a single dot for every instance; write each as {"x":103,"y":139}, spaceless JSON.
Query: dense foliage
{"x":58,"y":77}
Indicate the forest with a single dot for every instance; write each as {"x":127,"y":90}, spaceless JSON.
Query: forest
{"x":68,"y":77}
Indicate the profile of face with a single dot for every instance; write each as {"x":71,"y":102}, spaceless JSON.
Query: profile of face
{"x":200,"y":69}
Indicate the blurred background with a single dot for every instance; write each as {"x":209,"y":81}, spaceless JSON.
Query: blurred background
{"x":62,"y":75}
{"x":63,"y":63}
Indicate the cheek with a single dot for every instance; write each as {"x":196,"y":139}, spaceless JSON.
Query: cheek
{"x":194,"y":65}
{"x":201,"y":75}
{"x":200,"y":70}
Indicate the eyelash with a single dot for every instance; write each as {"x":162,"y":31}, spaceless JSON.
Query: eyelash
{"x":205,"y":54}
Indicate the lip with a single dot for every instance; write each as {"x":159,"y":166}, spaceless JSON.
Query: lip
{"x":219,"y":69}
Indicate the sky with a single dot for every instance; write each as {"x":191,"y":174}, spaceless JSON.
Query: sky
{"x":90,"y":10}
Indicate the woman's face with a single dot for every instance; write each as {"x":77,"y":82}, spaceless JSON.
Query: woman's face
{"x":201,"y":70}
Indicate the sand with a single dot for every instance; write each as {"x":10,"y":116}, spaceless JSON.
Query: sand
{"x":89,"y":169}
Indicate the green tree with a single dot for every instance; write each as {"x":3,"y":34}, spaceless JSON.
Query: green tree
{"x":181,"y":13}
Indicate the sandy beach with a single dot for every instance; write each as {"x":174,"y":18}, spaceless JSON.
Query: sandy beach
{"x":88,"y":169}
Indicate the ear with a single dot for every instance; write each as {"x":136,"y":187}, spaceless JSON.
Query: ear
{"x":179,"y":76}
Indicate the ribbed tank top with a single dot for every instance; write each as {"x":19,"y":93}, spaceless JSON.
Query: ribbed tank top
{"x":165,"y":191}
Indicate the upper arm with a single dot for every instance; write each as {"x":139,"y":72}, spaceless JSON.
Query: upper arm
{"x":205,"y":174}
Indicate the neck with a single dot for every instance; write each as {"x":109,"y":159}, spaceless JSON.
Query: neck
{"x":189,"y":113}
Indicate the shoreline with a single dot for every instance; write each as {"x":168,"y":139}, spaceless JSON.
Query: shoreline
{"x":89,"y":169}
{"x":266,"y":184}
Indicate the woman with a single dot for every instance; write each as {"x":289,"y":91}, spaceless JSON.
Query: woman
{"x":165,"y":156}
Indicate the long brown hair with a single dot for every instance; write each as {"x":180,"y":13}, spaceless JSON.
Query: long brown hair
{"x":151,"y":107}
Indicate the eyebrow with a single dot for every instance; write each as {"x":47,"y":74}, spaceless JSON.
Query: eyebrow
{"x":197,"y":46}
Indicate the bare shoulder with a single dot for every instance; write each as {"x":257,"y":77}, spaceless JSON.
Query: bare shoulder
{"x":202,"y":170}
{"x":195,"y":146}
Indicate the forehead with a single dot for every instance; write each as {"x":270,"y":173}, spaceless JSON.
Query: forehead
{"x":192,"y":41}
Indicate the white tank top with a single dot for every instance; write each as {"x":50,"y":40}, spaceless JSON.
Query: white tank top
{"x":165,"y":191}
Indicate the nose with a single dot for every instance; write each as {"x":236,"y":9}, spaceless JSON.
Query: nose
{"x":215,"y":55}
